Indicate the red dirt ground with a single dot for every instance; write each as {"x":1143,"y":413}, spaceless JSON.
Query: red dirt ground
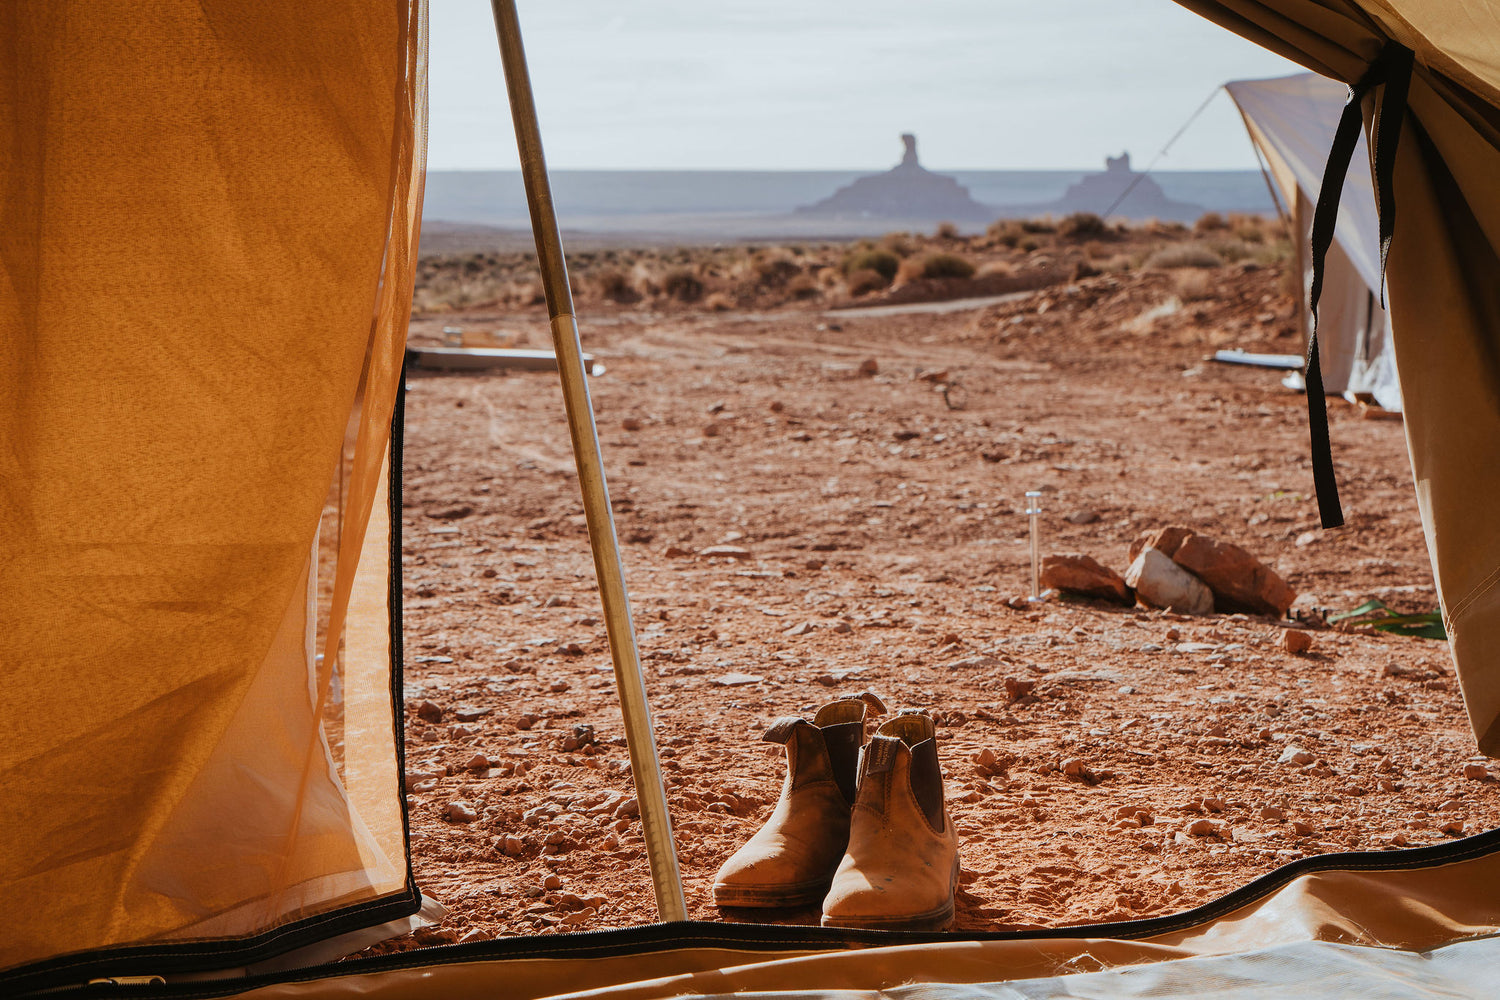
{"x":891,"y":522}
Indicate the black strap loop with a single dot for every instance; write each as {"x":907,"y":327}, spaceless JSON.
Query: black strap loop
{"x":1393,"y":69}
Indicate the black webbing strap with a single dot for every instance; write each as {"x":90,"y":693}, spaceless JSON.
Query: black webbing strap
{"x":1393,"y":69}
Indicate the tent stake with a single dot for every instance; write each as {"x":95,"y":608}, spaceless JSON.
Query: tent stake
{"x":645,"y":768}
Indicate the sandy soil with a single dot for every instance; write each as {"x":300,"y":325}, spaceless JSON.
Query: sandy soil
{"x":883,"y":530}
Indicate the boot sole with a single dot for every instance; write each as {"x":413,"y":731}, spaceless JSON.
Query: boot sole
{"x":939,"y":919}
{"x":770,"y":896}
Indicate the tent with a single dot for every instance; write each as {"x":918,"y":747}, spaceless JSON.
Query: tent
{"x":205,"y":268}
{"x":1290,"y":121}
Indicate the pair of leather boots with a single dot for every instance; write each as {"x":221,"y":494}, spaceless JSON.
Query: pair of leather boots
{"x":861,"y":827}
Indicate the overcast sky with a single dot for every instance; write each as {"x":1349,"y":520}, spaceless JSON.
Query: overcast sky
{"x":829,"y":84}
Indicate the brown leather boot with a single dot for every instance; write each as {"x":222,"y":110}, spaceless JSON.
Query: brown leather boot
{"x":791,"y":860}
{"x":901,"y":868}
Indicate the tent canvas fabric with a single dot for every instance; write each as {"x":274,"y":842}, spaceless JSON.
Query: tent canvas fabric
{"x":205,"y":276}
{"x":205,"y":272}
{"x":1291,"y":120}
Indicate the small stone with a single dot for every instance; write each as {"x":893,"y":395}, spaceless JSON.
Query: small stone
{"x":478,"y":762}
{"x":458,"y":731}
{"x":777,"y":406}
{"x":1453,"y":828}
{"x":1082,"y":517}
{"x":1296,"y":641}
{"x":1476,"y":772}
{"x":1160,"y":582}
{"x":985,"y":758}
{"x":725,"y":552}
{"x":451,"y":512}
{"x":552,"y":881}
{"x":736,"y":679}
{"x":711,"y":430}
{"x":1385,"y":785}
{"x":1400,"y":839}
{"x":869,"y":367}
{"x":1295,"y":756}
{"x":630,"y":424}
{"x":430,"y":711}
{"x":675,"y":552}
{"x":628,"y":809}
{"x":512,"y":847}
{"x":1208,"y":828}
{"x":460,"y":811}
{"x":1016,"y":688}
{"x":527,"y":721}
{"x":415,"y":778}
{"x":473,"y":934}
{"x":843,"y":628}
{"x":1273,"y":813}
{"x":557,"y":687}
{"x":1075,"y":573}
{"x":1303,"y":829}
{"x":803,"y":629}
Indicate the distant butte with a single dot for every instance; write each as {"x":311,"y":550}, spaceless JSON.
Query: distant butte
{"x":906,"y":191}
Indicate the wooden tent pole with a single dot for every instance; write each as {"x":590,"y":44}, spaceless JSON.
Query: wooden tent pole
{"x":645,"y":768}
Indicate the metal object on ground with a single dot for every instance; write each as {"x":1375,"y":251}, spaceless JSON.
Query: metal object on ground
{"x":470,"y":359}
{"x":645,"y":768}
{"x":1034,"y":512}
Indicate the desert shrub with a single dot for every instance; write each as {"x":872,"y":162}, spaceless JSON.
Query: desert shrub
{"x":946,"y":265}
{"x":882,"y":262}
{"x":1249,"y":228}
{"x":1232,"y":251}
{"x":1156,"y":227}
{"x":773,"y":272}
{"x":615,"y":286}
{"x":1210,"y":222}
{"x":1183,"y":255}
{"x":1007,"y":232}
{"x":1029,"y":244}
{"x":803,"y":287}
{"x":683,"y":285}
{"x":896,"y":243}
{"x":996,"y":269}
{"x":1042,"y":225}
{"x":946,"y":231}
{"x":864,"y":280}
{"x":1083,"y":226}
{"x":1193,"y":286}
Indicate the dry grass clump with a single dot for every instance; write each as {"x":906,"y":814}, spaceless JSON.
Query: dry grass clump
{"x":897,"y":243}
{"x":774,"y":270}
{"x":946,"y":265}
{"x":1183,"y":255}
{"x":1210,"y":222}
{"x":683,"y":285}
{"x":945,"y":231}
{"x":882,"y":262}
{"x":803,"y":286}
{"x":865,"y":280}
{"x":1193,"y":285}
{"x":614,"y":284}
{"x":1083,"y":226}
{"x":1006,"y":232}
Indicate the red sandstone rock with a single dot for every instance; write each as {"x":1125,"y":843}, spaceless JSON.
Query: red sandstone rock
{"x":1240,"y":581}
{"x":1081,"y":574}
{"x":1164,"y":540}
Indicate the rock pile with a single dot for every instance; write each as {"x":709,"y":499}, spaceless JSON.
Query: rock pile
{"x":1178,"y":569}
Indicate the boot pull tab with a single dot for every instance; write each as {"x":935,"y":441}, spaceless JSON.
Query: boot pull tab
{"x":879,"y":755}
{"x":782,"y":729}
{"x":873,"y":705}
